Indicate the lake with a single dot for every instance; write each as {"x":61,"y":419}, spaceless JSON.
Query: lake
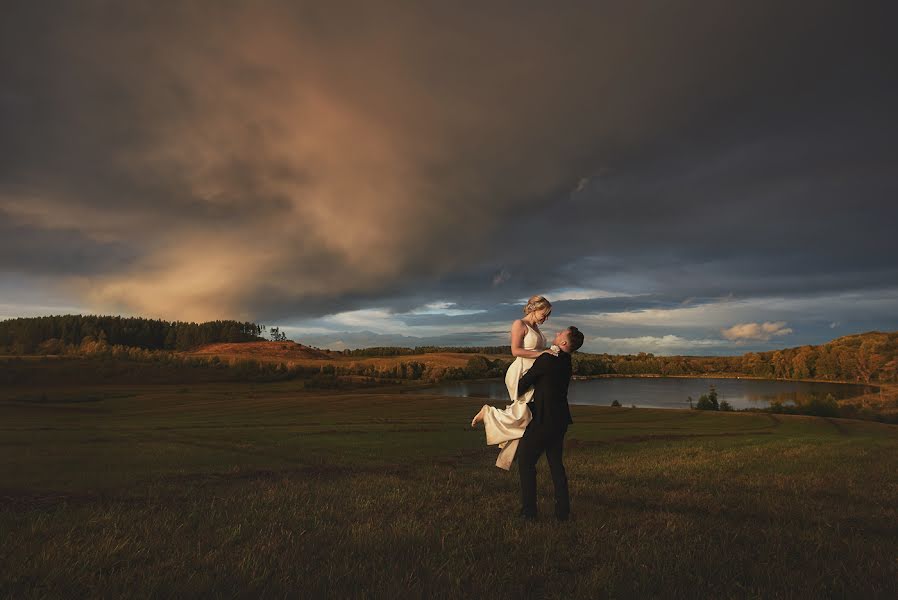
{"x":669,"y":392}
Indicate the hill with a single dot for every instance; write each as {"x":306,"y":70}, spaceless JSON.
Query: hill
{"x":870,"y":357}
{"x":288,"y":357}
{"x":264,"y":351}
{"x":293,"y":354}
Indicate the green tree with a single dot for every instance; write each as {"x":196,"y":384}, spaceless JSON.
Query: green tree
{"x":708,"y":401}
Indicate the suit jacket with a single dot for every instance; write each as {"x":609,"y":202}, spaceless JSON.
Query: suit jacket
{"x":549,"y":376}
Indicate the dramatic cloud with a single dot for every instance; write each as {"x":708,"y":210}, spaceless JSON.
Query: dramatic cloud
{"x":427,"y":165}
{"x":755,"y":331}
{"x":664,"y":345}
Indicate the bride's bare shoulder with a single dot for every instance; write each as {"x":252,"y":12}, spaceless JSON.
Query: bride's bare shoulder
{"x":518,"y":325}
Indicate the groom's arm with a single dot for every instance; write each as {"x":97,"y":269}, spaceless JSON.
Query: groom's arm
{"x":537,"y":370}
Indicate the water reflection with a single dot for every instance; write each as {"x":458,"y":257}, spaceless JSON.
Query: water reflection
{"x":670,"y":392}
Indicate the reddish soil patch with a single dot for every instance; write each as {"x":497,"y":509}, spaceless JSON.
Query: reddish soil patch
{"x":269,"y":351}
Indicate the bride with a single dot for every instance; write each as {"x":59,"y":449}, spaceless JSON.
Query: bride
{"x":506,"y":426}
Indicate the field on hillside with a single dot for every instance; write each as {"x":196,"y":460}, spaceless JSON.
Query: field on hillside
{"x":270,"y":351}
{"x":252,"y":490}
{"x":291,"y":353}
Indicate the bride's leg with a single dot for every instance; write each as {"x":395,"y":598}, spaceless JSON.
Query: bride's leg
{"x":480,"y":416}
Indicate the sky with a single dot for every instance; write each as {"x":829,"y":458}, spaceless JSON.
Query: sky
{"x":702,"y":178}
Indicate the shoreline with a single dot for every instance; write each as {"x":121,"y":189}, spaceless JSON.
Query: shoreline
{"x":717,"y":376}
{"x":865,"y":398}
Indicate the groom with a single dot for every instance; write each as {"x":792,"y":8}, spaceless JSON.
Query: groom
{"x":549,"y":376}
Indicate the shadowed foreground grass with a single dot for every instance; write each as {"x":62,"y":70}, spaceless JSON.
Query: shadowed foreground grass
{"x":257,"y":490}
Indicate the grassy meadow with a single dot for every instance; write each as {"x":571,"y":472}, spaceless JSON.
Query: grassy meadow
{"x":266,"y":490}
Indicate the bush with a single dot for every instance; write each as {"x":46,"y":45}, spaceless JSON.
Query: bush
{"x":615,"y":403}
{"x":822,"y":407}
{"x":709,"y":401}
{"x":477,"y":366}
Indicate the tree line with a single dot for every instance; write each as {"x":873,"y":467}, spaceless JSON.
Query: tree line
{"x":99,"y":362}
{"x":65,"y":334}
{"x":868,"y":358}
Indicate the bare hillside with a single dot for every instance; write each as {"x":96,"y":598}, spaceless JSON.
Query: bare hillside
{"x":264,"y":351}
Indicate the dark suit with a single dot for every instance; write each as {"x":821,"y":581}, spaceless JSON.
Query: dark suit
{"x":550,"y":377}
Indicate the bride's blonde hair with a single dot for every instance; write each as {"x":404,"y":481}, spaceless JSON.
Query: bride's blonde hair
{"x":536,"y":303}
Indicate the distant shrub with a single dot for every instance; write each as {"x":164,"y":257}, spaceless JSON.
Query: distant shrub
{"x":615,"y":403}
{"x":821,"y":407}
{"x":709,"y":401}
{"x":477,"y":366}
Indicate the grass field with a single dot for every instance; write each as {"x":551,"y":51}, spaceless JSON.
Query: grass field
{"x":260,"y":490}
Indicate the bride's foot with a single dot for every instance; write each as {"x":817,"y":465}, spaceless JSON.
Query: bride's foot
{"x":479,"y":416}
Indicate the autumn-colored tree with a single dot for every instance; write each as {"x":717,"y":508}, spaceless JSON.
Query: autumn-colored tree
{"x":780,"y":365}
{"x":889,"y":371}
{"x":827,"y":365}
{"x":869,"y":360}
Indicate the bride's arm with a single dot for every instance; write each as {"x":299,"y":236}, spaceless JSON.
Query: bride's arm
{"x":518,"y":331}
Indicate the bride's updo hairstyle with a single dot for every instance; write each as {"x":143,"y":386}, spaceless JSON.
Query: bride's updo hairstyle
{"x":537,"y":303}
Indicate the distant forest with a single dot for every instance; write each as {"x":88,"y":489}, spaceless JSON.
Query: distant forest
{"x":66,"y":333}
{"x":868,"y":357}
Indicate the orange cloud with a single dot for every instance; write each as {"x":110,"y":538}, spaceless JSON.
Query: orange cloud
{"x":756,"y":331}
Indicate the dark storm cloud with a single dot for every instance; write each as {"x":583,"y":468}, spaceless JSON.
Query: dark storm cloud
{"x":32,"y":250}
{"x":277,"y":160}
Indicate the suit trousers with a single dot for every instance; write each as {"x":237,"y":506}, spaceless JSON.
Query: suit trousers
{"x":538,"y":439}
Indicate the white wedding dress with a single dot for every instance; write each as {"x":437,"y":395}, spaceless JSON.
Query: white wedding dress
{"x":506,"y":426}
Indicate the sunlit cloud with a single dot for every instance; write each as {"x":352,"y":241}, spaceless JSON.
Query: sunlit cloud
{"x":12,"y":311}
{"x":560,"y":295}
{"x":685,"y":316}
{"x":756,"y":331}
{"x":663,"y":345}
{"x":377,"y":320}
{"x":445,"y":308}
